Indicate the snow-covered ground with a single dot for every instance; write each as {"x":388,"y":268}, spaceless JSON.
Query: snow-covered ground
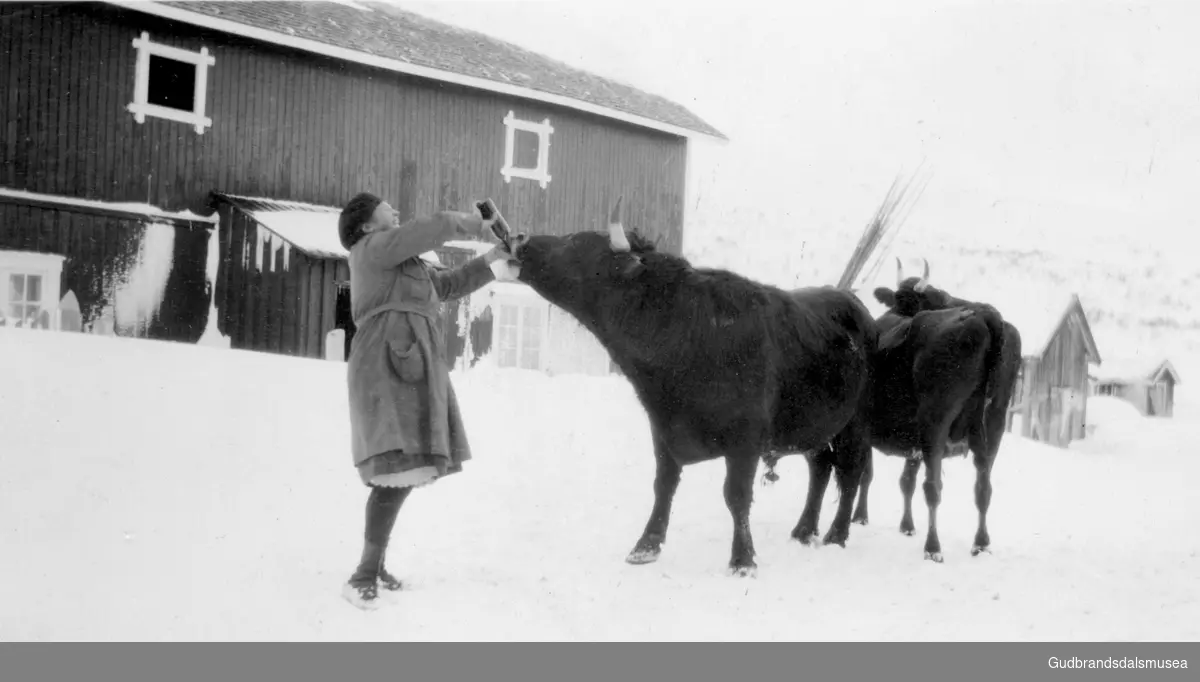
{"x":153,"y":491}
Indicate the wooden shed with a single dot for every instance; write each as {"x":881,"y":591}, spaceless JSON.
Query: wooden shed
{"x":1150,"y":387}
{"x":1049,"y":402}
{"x":282,"y":282}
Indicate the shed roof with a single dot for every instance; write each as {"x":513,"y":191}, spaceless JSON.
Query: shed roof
{"x":385,"y":36}
{"x":1039,"y":319}
{"x":1126,"y":370}
{"x":312,"y":228}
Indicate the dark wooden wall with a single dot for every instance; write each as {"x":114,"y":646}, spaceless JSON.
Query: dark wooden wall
{"x":278,"y":309}
{"x":290,"y":125}
{"x":99,"y":249}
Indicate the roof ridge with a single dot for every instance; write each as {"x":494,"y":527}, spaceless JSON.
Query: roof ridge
{"x":393,"y":8}
{"x":420,"y":45}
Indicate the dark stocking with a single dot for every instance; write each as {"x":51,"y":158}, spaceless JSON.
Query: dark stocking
{"x":383,"y":506}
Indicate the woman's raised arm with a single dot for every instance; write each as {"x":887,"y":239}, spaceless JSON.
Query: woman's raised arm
{"x":394,"y":246}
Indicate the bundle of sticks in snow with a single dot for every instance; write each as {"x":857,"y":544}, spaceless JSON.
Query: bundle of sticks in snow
{"x":893,"y":212}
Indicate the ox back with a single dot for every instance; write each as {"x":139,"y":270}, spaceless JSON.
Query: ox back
{"x":930,"y":374}
{"x":724,"y":367}
{"x":944,"y":374}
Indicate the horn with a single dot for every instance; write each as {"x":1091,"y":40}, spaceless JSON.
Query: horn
{"x":616,"y":231}
{"x":924,"y":281}
{"x":899,"y":272}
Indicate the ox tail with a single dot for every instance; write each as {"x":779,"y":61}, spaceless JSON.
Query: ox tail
{"x":992,"y":366}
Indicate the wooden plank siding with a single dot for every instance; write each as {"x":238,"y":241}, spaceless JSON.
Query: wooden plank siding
{"x":1042,"y":397}
{"x":291,"y":125}
{"x":285,"y":306}
{"x":101,"y":251}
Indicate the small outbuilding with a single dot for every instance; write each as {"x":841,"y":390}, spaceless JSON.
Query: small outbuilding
{"x":1148,"y":386}
{"x":1057,"y":345}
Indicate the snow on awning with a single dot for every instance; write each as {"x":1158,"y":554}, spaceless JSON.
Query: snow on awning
{"x":313,"y":228}
{"x":313,"y":232}
{"x":124,"y":208}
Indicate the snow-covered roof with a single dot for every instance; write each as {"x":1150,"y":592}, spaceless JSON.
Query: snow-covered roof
{"x":1134,"y":369}
{"x":315,"y":233}
{"x":1038,"y":317}
{"x":313,"y":228}
{"x":132,"y":209}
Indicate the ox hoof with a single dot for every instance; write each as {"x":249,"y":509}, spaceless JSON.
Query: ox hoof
{"x":977,"y":550}
{"x":809,"y":539}
{"x":743,"y":571}
{"x":935,"y":557}
{"x":862,"y":520}
{"x":639,"y":557}
{"x":831,"y":539}
{"x":908,"y":531}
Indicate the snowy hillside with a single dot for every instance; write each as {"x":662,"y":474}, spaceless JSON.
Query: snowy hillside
{"x":154,"y":491}
{"x":1139,"y":294}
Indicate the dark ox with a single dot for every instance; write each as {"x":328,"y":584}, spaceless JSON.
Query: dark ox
{"x":943,"y":377}
{"x":724,"y":367}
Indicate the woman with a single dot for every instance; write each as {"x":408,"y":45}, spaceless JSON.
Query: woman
{"x":405,"y":425}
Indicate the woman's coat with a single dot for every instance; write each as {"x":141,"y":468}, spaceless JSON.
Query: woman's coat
{"x":399,"y":383}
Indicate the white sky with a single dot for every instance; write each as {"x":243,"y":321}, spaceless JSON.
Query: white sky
{"x":1072,"y":116}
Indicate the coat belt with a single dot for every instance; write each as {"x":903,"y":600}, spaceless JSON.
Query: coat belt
{"x":415,"y":308}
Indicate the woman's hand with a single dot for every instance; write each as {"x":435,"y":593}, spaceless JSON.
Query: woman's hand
{"x":498,"y":253}
{"x":485,"y":225}
{"x":503,"y":265}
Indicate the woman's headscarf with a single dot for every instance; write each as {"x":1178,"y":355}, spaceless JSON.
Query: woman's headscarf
{"x":358,"y":211}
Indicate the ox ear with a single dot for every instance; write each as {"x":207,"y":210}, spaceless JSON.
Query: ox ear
{"x":886,"y":296}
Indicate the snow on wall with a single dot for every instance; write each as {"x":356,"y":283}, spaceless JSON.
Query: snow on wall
{"x":139,"y":292}
{"x":212,"y":336}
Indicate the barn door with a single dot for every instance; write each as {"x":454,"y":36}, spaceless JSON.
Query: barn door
{"x":342,"y":317}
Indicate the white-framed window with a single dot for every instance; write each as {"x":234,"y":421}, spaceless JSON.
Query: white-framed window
{"x":520,"y":334}
{"x":572,"y":349}
{"x":29,"y":288}
{"x":170,"y":83}
{"x":526,"y":150}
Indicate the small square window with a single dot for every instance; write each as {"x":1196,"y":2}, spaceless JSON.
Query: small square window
{"x":170,"y":83}
{"x":526,"y":150}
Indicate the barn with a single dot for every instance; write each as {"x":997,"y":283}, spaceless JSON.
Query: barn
{"x":1150,"y":387}
{"x":1049,"y":402}
{"x":147,"y":143}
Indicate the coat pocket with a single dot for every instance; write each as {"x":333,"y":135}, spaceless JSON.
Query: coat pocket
{"x":407,"y":362}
